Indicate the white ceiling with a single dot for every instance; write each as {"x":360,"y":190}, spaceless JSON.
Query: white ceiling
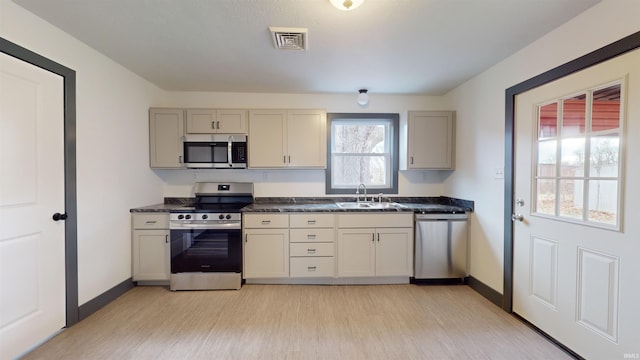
{"x":387,"y":46}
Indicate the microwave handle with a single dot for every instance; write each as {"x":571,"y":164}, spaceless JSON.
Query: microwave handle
{"x":229,"y":159}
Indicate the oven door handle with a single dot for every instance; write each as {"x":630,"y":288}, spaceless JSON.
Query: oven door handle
{"x":231,"y":226}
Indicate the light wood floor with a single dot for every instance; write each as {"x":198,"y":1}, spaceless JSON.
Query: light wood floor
{"x":300,"y":322}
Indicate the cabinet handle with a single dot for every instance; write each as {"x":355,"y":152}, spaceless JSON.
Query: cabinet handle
{"x":412,"y":160}
{"x":166,"y":239}
{"x":213,"y":124}
{"x":378,"y":237}
{"x":284,"y":159}
{"x":289,"y":159}
{"x":311,"y":250}
{"x":373,"y":237}
{"x":266,"y":222}
{"x":218,"y":125}
{"x":180,"y":159}
{"x":311,"y":268}
{"x":311,"y":222}
{"x":246,"y":237}
{"x":150,"y":222}
{"x":311,"y":236}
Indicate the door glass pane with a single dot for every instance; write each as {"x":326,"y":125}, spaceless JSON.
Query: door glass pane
{"x":572,"y":157}
{"x":604,"y":156}
{"x":603,"y":201}
{"x":547,"y":151}
{"x":606,"y":109}
{"x":571,"y":202}
{"x":573,"y":115}
{"x":548,"y":121}
{"x":546,"y":196}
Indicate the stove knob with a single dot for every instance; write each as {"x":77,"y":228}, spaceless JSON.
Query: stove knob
{"x":221,"y":217}
{"x":180,"y":217}
{"x":187,"y":217}
{"x":205,"y":217}
{"x":228,"y":216}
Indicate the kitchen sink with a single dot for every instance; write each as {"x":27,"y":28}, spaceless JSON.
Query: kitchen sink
{"x":369,"y":205}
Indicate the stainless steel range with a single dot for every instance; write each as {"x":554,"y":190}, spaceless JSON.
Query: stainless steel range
{"x":206,"y":239}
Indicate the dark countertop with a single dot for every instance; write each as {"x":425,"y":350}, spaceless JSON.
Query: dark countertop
{"x":424,"y":205}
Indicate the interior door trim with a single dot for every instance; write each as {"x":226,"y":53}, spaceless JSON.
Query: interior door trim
{"x":605,"y":53}
{"x":70,"y":198}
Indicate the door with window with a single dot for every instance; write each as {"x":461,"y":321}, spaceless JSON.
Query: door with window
{"x":32,"y":257}
{"x":576,"y":231}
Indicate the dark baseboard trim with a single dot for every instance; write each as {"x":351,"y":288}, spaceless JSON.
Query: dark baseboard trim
{"x":103,"y":299}
{"x":549,"y":337}
{"x":484,"y":290}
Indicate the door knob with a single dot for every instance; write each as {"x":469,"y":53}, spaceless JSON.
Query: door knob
{"x":58,"y":216}
{"x":517,"y":217}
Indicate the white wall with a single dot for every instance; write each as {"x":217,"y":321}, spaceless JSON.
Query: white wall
{"x":480,"y":106}
{"x":299,"y":183}
{"x":113,"y":174}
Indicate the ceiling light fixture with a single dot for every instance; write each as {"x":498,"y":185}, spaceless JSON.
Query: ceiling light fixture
{"x":363,"y":97}
{"x":346,"y":5}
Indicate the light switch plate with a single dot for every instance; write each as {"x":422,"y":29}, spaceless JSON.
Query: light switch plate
{"x":498,"y":173}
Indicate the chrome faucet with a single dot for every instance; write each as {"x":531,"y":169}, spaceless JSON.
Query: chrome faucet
{"x":361,"y":186}
{"x":380,"y":198}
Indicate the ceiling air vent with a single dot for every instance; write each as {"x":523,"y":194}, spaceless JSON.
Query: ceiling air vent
{"x":289,"y":38}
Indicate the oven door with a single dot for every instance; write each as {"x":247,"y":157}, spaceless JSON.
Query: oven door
{"x":198,"y":249}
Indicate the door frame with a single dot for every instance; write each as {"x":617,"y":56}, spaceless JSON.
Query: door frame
{"x":70,"y":197}
{"x":605,"y":53}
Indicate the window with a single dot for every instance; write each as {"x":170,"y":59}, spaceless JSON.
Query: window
{"x":577,"y":175}
{"x":363,"y":149}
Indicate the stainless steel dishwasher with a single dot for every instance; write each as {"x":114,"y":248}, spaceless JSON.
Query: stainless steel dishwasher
{"x":441,"y":248}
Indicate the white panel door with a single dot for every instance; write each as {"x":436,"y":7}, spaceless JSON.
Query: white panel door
{"x":578,"y":281}
{"x":32,"y":266}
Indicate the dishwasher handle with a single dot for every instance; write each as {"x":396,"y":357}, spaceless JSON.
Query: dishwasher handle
{"x":441,"y":217}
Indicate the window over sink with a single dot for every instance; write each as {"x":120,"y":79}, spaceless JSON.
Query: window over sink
{"x":363,"y":149}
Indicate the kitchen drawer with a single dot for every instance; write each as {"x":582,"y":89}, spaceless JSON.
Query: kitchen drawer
{"x":311,"y":235}
{"x":151,"y":221}
{"x":312,"y":267}
{"x":312,"y":220}
{"x":311,"y":249}
{"x":265,"y":220}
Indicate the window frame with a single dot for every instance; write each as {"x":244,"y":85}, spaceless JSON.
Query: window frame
{"x":588,"y":135}
{"x":394,"y":147}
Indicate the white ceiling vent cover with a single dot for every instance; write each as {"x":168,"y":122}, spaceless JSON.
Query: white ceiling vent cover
{"x":289,"y":38}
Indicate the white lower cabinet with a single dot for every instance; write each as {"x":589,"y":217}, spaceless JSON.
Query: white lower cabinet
{"x":375,"y":245}
{"x":312,"y":245}
{"x":150,"y":241}
{"x":265,"y":246}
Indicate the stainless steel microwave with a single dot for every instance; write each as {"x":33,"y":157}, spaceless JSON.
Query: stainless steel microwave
{"x":215,"y":151}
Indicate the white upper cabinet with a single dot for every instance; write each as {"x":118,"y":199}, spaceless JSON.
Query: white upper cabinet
{"x":287,"y":139}
{"x":166,"y":129}
{"x":430,"y":141}
{"x":212,"y":121}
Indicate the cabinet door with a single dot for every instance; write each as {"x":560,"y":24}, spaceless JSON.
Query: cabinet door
{"x":201,"y":121}
{"x":307,"y":139}
{"x":430,"y":140}
{"x":231,"y":121}
{"x":266,"y":142}
{"x":394,"y":252}
{"x":356,"y":252}
{"x":166,"y":129}
{"x":151,"y":255}
{"x":266,"y":253}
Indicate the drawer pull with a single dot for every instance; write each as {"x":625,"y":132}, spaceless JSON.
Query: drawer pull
{"x":151,"y":221}
{"x":311,"y":251}
{"x":311,"y":236}
{"x":311,"y":222}
{"x":266,"y":222}
{"x":311,"y":268}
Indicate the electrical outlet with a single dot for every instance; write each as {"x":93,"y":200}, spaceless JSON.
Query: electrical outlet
{"x":498,"y":173}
